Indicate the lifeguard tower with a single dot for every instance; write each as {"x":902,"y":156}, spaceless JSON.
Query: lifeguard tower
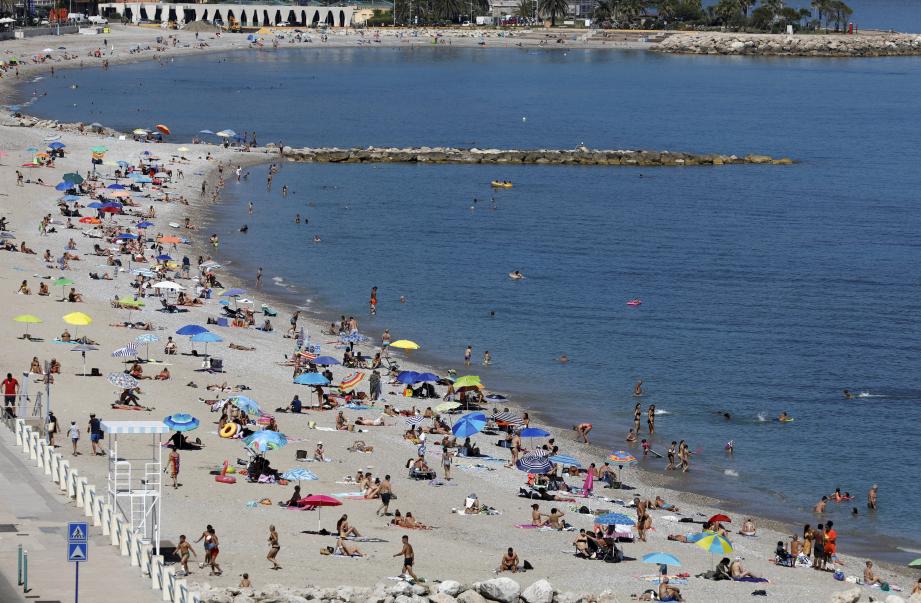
{"x":134,"y":485}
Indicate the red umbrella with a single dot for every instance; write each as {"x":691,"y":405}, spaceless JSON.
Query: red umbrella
{"x":318,"y":500}
{"x":719,"y":518}
{"x":163,"y":129}
{"x":111,"y":210}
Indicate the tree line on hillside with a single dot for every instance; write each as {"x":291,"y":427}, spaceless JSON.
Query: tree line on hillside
{"x":744,"y":15}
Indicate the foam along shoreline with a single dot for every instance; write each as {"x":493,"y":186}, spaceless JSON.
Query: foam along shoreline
{"x":799,"y":45}
{"x":471,"y":544}
{"x":577,"y":156}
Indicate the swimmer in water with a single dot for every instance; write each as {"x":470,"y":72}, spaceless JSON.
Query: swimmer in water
{"x":515,"y":275}
{"x":730,"y":446}
{"x":244,"y":228}
{"x":638,"y":388}
{"x":563,"y":359}
{"x":784,"y":417}
{"x":848,"y":394}
{"x":316,"y":238}
{"x":250,"y":209}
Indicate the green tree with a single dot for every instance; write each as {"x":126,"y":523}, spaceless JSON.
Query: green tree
{"x":821,"y":8}
{"x":839,"y":13}
{"x":604,"y":11}
{"x":553,"y":9}
{"x":448,"y":9}
{"x":728,"y":12}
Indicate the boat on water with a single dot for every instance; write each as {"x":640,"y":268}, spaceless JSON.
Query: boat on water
{"x":501,"y":184}
{"x":634,"y":302}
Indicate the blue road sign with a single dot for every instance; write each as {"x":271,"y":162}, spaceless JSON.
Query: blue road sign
{"x":76,"y":531}
{"x":76,"y":551}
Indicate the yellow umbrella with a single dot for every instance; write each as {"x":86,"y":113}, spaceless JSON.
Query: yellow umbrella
{"x":405,"y":344}
{"x":29,"y":320}
{"x":78,"y":319}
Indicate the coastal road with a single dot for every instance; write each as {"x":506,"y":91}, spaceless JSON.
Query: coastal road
{"x":34,"y":514}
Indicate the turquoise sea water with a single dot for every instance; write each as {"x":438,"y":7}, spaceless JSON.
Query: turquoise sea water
{"x":765,"y":289}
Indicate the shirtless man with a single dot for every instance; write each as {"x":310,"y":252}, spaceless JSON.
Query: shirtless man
{"x":738,"y":571}
{"x":385,"y":494}
{"x":182,"y":550}
{"x":409,"y":558}
{"x":667,"y":592}
{"x":555,"y":519}
{"x":509,"y":562}
{"x":582,"y":429}
{"x":820,"y":506}
{"x":871,"y":497}
{"x":638,"y":388}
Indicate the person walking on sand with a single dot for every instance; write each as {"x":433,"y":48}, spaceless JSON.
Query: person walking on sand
{"x":446,"y":456}
{"x":409,"y":558}
{"x":182,"y":551}
{"x":94,"y":428}
{"x":10,"y":391}
{"x":274,"y":547}
{"x":468,"y":354}
{"x":74,"y":434}
{"x":52,"y":428}
{"x":172,"y":466}
{"x":385,"y":493}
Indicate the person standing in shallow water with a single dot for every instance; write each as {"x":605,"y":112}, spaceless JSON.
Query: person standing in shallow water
{"x":651,"y":419}
{"x":468,"y":354}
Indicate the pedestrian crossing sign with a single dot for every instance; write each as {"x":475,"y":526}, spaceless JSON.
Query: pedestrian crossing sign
{"x":76,"y":531}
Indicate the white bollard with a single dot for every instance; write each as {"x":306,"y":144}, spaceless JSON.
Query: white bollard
{"x":18,"y":429}
{"x":26,"y":434}
{"x":80,"y":488}
{"x":156,"y":572}
{"x":49,"y":453}
{"x":142,"y":557}
{"x":114,"y":526}
{"x":169,"y":579}
{"x":123,"y":537}
{"x":105,"y":512}
{"x":33,"y":446}
{"x":72,"y":476}
{"x":62,"y":477}
{"x":88,"y":497}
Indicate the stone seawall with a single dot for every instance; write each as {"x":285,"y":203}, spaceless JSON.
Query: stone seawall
{"x":577,"y":156}
{"x":805,"y":45}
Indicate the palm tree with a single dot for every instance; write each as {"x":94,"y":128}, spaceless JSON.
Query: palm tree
{"x":448,"y":9}
{"x":821,"y":9}
{"x":553,"y":8}
{"x":604,"y":11}
{"x":525,"y":9}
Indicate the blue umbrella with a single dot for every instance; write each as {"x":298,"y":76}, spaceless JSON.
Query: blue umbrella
{"x":534,"y":463}
{"x":615,"y":518}
{"x":299,"y":474}
{"x":206,"y":337}
{"x":233,"y":293}
{"x":191,"y":330}
{"x":56,"y":145}
{"x":325,"y":361}
{"x":205,"y":132}
{"x":64,"y":186}
{"x":147,"y":339}
{"x":181,"y":422}
{"x":116,"y":187}
{"x":246,"y":404}
{"x":70,"y":198}
{"x":265,"y":440}
{"x":144,"y":224}
{"x":533,"y":432}
{"x":469,"y":425}
{"x":223,"y":302}
{"x":566,"y":461}
{"x":126,"y":236}
{"x":95,"y":205}
{"x":115,"y":204}
{"x":408,"y":377}
{"x":311,"y":379}
{"x":142,"y":180}
{"x":661,"y":559}
{"x":162,"y":257}
{"x":122,"y":163}
{"x":427,"y":377}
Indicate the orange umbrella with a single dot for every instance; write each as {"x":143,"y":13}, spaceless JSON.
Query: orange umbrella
{"x":90,"y":220}
{"x":163,"y":129}
{"x":169,"y":239}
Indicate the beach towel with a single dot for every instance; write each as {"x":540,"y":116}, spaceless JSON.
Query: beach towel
{"x":749,"y":579}
{"x":526,"y":526}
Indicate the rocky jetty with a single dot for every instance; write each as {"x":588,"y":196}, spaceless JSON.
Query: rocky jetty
{"x":577,"y":156}
{"x":498,"y":590}
{"x":804,"y":45}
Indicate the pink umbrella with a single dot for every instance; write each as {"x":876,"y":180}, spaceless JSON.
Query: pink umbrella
{"x":318,"y":501}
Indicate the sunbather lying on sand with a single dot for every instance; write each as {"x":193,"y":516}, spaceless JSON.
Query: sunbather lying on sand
{"x":242,"y":348}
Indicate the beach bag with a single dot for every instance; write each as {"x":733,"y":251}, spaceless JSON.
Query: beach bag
{"x":527,"y":565}
{"x":839,"y":576}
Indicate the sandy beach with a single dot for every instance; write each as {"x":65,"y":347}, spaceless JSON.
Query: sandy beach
{"x":466,"y":548}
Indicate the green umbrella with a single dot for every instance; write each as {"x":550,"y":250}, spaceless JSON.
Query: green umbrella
{"x":99,"y":149}
{"x":915,"y":563}
{"x":466,"y":381}
{"x":62,"y":282}
{"x":73,"y":178}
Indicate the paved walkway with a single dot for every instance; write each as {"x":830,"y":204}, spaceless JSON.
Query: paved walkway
{"x":39,"y":514}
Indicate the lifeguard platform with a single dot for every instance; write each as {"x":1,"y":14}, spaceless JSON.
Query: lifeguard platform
{"x":134,"y":485}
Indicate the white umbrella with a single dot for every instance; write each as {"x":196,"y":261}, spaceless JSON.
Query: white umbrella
{"x":169,"y":286}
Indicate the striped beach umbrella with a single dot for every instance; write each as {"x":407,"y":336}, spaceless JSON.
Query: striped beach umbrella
{"x":621,"y":457}
{"x":122,"y":380}
{"x":713,"y":543}
{"x":349,"y":383}
{"x":414,"y":420}
{"x":129,"y":351}
{"x":147,"y":339}
{"x":534,"y":463}
{"x":507,"y":417}
{"x":181,"y":422}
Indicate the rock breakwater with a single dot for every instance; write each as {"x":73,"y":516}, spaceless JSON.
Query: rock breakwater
{"x":577,"y":156}
{"x":806,"y":45}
